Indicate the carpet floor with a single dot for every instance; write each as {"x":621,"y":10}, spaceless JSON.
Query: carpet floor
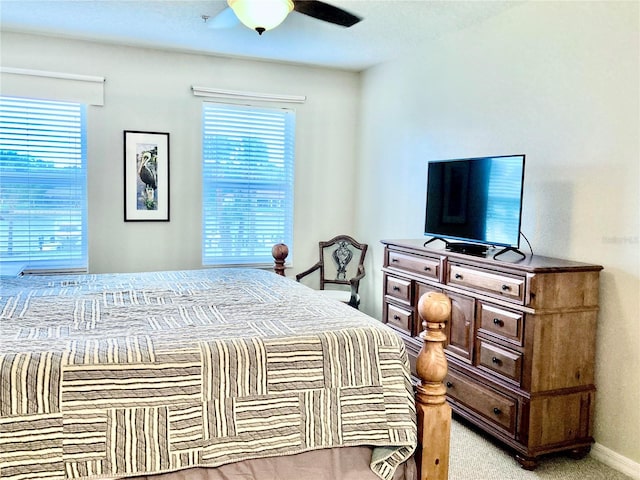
{"x":474,"y":456}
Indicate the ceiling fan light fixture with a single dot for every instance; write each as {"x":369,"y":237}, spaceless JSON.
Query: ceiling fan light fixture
{"x":261,"y":15}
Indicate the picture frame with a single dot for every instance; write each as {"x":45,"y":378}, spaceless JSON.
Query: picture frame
{"x":146,"y":176}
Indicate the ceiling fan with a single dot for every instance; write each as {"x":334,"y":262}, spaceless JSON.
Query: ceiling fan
{"x":263,"y":15}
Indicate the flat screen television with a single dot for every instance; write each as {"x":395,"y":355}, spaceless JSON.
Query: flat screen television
{"x":476,"y":202}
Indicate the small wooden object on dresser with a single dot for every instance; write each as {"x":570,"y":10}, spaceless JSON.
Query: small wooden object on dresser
{"x":520,"y":341}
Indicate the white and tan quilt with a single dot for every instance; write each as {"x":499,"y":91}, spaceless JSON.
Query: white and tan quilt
{"x":118,"y":375}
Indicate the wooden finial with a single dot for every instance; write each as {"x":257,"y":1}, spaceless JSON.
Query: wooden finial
{"x":434,"y":307}
{"x":279,"y":252}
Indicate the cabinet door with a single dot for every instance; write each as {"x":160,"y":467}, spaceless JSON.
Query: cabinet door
{"x":461,"y":327}
{"x":421,"y":289}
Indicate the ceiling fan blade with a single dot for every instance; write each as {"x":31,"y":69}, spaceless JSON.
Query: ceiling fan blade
{"x":225,"y":19}
{"x":324,"y":11}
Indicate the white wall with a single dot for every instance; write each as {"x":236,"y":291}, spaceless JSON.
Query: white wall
{"x":558,"y":81}
{"x":150,"y":90}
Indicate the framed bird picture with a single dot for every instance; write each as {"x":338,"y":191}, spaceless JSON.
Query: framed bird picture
{"x":146,"y":176}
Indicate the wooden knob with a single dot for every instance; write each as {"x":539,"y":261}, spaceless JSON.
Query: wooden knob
{"x":279,"y":251}
{"x":434,"y":307}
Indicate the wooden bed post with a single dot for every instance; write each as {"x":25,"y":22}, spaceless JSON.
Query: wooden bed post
{"x":434,"y":414}
{"x":279,"y":252}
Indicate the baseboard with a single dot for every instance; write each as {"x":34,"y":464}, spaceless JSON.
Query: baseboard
{"x":615,"y":460}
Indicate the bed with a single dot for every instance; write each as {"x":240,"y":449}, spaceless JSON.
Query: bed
{"x":163,"y":375}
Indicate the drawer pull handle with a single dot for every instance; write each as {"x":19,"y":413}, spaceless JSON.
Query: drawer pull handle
{"x":396,"y":317}
{"x":496,"y":360}
{"x":396,"y":288}
{"x":497,"y":411}
{"x":458,"y":276}
{"x":427,"y":269}
{"x":506,"y":288}
{"x":498,"y":322}
{"x":449,"y":384}
{"x":394,"y":260}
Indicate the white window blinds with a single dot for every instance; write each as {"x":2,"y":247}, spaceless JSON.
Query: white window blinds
{"x":248,"y":163}
{"x":42,"y":184}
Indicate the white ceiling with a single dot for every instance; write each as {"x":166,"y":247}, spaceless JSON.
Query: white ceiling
{"x":388,"y":27}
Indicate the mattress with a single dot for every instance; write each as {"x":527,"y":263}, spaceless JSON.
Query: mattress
{"x":122,"y":375}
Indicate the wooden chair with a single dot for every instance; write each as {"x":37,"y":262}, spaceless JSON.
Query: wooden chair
{"x":341,"y":265}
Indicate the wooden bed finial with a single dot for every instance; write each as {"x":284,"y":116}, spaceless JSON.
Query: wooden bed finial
{"x":434,"y":414}
{"x":279,"y":252}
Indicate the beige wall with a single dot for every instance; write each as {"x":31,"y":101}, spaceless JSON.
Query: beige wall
{"x":150,"y":90}
{"x":558,"y":81}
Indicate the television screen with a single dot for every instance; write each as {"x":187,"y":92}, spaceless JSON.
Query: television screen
{"x":477,"y":200}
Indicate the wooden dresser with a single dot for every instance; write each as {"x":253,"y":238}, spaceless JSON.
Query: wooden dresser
{"x":520,"y":342}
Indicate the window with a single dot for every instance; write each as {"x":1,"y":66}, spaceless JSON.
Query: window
{"x":247,"y":173}
{"x":42,"y":184}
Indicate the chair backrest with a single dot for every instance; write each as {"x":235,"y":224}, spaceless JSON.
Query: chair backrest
{"x":341,"y":259}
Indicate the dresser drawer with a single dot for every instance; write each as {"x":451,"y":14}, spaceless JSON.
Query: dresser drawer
{"x":495,"y":284}
{"x":489,"y":404}
{"x":502,"y":323}
{"x":399,"y":318}
{"x":507,"y":363}
{"x":424,"y":266}
{"x":398,"y":288}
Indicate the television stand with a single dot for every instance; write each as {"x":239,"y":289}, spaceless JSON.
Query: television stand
{"x":510,"y":341}
{"x":433,"y":239}
{"x":461,"y":247}
{"x":467,"y":248}
{"x":510,"y":249}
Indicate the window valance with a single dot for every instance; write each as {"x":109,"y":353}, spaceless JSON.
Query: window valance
{"x":67,"y":87}
{"x":223,"y":94}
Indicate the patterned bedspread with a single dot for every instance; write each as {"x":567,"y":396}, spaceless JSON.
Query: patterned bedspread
{"x":107,"y":376}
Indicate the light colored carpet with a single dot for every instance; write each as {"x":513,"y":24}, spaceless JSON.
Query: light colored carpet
{"x":474,"y":456}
